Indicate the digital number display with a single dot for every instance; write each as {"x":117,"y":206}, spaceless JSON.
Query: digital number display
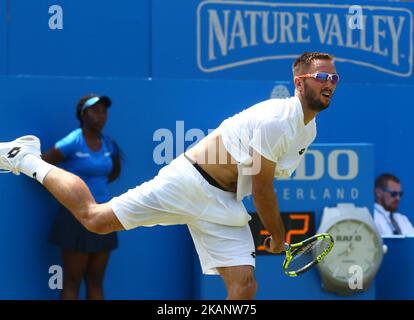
{"x":298,"y":227}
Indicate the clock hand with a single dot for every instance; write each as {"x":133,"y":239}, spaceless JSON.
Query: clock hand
{"x":349,"y":248}
{"x":344,"y":252}
{"x":340,"y":254}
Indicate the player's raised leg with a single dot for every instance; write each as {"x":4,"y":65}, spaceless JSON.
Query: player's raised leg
{"x":72,"y":192}
{"x":23,"y":155}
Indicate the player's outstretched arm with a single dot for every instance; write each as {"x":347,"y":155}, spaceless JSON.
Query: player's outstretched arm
{"x":265,"y":201}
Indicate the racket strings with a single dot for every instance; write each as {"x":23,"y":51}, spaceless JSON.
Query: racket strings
{"x":306,"y":255}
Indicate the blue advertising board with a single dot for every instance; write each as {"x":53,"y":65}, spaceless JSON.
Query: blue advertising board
{"x":260,"y":39}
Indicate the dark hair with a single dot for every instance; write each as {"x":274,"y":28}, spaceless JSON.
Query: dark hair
{"x":382,"y":180}
{"x":306,"y":59}
{"x":79,"y":106}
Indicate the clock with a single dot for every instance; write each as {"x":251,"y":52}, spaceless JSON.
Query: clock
{"x":357,"y":253}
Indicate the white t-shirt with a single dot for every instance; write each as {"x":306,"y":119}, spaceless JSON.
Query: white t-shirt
{"x":274,"y":128}
{"x":384,"y":225}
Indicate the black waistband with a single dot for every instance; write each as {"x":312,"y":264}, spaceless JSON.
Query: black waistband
{"x":205,"y":175}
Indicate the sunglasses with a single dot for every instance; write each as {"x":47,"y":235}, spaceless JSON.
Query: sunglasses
{"x":393,"y":193}
{"x":321,"y":77}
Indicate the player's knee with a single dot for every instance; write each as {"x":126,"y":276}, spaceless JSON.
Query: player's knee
{"x":243,"y":290}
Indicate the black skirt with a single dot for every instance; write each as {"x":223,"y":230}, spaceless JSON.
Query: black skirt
{"x":69,"y":234}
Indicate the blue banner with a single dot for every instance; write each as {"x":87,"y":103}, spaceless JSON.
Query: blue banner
{"x":247,"y":39}
{"x":236,"y":33}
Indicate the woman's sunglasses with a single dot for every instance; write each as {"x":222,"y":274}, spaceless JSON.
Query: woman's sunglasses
{"x":321,"y":77}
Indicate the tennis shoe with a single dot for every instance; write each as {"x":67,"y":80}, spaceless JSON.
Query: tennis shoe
{"x":11,"y":153}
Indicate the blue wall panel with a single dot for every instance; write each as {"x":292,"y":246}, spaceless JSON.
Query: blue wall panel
{"x":105,"y":47}
{"x":3,"y":37}
{"x":145,"y":266}
{"x":151,"y":263}
{"x":375,"y":114}
{"x":389,"y":284}
{"x":273,"y":284}
{"x":99,"y":38}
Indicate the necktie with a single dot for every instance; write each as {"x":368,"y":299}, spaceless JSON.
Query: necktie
{"x":397,"y":229}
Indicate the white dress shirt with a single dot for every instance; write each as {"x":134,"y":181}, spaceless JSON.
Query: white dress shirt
{"x":385,"y":227}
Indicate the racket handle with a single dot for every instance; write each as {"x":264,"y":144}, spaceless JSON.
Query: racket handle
{"x":287,"y":246}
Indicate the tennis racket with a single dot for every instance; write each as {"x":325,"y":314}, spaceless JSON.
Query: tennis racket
{"x":302,"y":256}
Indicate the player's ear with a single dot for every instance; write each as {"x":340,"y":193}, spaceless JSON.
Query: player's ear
{"x":298,"y":84}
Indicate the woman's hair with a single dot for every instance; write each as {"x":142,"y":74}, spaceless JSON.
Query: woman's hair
{"x":79,"y":106}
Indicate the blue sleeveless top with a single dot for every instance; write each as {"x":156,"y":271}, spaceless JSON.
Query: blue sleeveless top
{"x":92,"y":166}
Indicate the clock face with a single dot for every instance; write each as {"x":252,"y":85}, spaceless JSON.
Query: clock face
{"x":356,"y":245}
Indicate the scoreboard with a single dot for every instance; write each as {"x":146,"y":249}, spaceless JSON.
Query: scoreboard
{"x":298,"y":227}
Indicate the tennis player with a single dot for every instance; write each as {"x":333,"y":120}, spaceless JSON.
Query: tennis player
{"x":203,"y":188}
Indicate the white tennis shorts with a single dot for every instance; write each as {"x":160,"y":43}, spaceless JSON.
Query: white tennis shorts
{"x":179,"y":194}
